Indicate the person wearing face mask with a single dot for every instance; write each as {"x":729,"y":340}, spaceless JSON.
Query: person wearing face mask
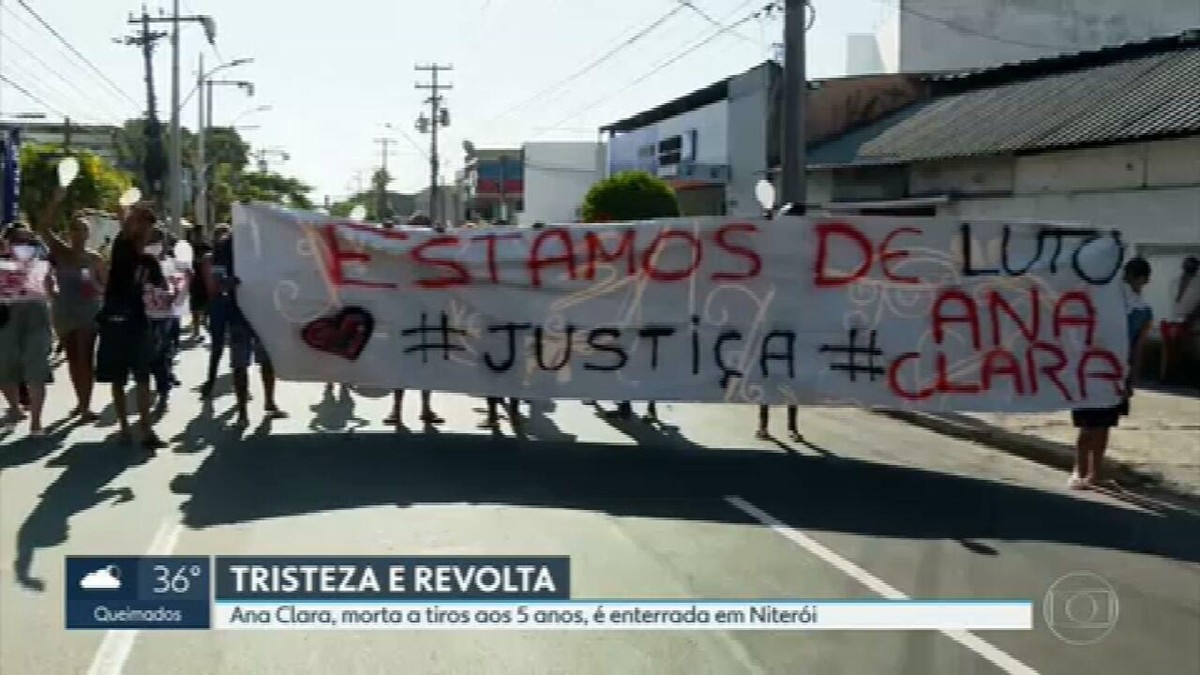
{"x":126,"y":335}
{"x":26,"y":337}
{"x":79,"y":273}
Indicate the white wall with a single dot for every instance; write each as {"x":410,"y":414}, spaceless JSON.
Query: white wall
{"x":1148,"y":191}
{"x":557,"y":177}
{"x":976,"y":33}
{"x":863,"y":55}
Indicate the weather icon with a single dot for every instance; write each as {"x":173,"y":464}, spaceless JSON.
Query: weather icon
{"x":103,"y":579}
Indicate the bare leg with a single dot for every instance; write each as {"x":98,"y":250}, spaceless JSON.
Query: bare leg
{"x":1083,"y":458}
{"x":397,"y":402}
{"x":793,"y":427}
{"x":37,"y":399}
{"x":764,"y":420}
{"x":85,"y":343}
{"x":241,"y":390}
{"x":150,"y":440}
{"x":70,"y":343}
{"x":1098,"y":447}
{"x":118,"y":394}
{"x":428,"y":416}
{"x":14,"y":403}
{"x":267,"y":371}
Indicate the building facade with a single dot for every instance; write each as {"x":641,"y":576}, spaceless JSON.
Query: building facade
{"x":557,"y":178}
{"x":493,"y":184}
{"x":99,"y":140}
{"x":710,"y":145}
{"x":1108,"y":139}
{"x":943,"y":35}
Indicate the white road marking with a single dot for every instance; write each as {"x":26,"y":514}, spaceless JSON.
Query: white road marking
{"x":965,"y":638}
{"x":117,"y":645}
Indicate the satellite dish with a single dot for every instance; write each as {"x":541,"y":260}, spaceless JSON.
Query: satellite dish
{"x":68,"y":168}
{"x":764,"y":192}
{"x":358,"y":212}
{"x":130,"y":197}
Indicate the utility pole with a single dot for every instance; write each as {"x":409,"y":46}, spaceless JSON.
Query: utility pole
{"x":439,"y":116}
{"x":176,"y":218}
{"x":794,"y":178}
{"x":153,"y":163}
{"x":200,"y":200}
{"x":385,"y":144}
{"x":175,"y":179}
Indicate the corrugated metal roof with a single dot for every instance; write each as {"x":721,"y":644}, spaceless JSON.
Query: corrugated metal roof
{"x":1150,"y":95}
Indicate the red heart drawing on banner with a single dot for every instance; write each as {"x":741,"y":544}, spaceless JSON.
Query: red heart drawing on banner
{"x":344,"y":334}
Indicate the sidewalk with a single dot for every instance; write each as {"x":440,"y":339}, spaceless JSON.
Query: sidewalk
{"x":1157,"y":445}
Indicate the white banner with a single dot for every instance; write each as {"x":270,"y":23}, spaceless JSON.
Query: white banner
{"x":172,"y":301}
{"x":23,"y":280}
{"x":619,"y":615}
{"x":897,"y":312}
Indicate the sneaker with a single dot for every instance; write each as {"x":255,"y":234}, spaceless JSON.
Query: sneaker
{"x":1077,"y":482}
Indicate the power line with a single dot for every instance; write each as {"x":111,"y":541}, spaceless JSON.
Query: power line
{"x":665,"y":64}
{"x":595,"y":63}
{"x":48,"y":68}
{"x":708,"y":17}
{"x":77,"y":53}
{"x":47,"y":93}
{"x":61,"y":53}
{"x":35,"y":98}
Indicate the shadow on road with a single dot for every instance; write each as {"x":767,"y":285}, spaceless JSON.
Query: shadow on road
{"x":335,"y":413}
{"x":205,"y":431}
{"x":299,"y":474}
{"x":90,"y":467}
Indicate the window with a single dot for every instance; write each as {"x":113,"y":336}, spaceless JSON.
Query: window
{"x":670,"y":151}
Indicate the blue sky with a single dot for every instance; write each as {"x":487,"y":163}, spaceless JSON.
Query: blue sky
{"x":335,"y":73}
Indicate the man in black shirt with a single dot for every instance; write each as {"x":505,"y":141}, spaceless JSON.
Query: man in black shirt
{"x":126,"y":343}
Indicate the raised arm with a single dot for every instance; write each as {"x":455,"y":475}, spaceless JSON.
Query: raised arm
{"x":49,"y":215}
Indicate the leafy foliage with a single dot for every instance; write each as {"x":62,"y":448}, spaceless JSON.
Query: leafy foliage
{"x":630,"y":195}
{"x":256,"y":186}
{"x":97,"y":186}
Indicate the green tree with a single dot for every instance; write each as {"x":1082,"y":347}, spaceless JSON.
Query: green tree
{"x":97,"y":186}
{"x":630,"y":195}
{"x":256,"y":186}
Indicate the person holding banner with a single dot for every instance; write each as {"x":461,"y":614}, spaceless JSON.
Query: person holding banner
{"x":198,"y":290}
{"x":80,"y":274}
{"x":1094,"y":423}
{"x":245,"y":347}
{"x":764,"y":420}
{"x":126,"y":343}
{"x":26,"y":337}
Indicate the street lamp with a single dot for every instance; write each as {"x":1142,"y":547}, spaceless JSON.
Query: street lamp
{"x":205,"y":85}
{"x":251,"y":111}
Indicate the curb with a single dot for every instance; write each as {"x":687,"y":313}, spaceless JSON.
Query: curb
{"x":1032,"y":448}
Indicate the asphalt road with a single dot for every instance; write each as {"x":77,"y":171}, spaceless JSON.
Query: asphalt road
{"x":644,"y":512}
